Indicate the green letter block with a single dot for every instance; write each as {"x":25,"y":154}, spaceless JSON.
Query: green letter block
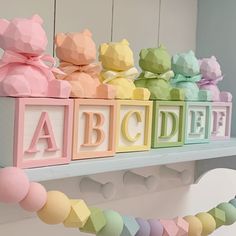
{"x":168,"y":123}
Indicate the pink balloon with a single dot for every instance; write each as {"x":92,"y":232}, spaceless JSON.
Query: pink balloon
{"x":14,"y":185}
{"x":35,"y":199}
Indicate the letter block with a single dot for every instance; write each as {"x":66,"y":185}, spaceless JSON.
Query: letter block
{"x":133,"y":125}
{"x":35,"y":132}
{"x":94,"y":128}
{"x":221,"y":120}
{"x":168,"y":124}
{"x":197,"y":122}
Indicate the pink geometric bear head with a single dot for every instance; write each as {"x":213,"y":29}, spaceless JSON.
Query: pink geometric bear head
{"x":76,"y":48}
{"x":210,"y":68}
{"x":23,"y":35}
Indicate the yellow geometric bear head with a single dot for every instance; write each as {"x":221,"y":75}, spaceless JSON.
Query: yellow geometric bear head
{"x":116,"y":56}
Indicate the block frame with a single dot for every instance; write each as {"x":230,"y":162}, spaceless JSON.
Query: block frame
{"x":76,"y":155}
{"x":20,"y":104}
{"x":156,"y":106}
{"x":228,"y":106}
{"x":207,"y":131}
{"x":148,"y":122}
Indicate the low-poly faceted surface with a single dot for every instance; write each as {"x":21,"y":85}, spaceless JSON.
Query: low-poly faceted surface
{"x":156,"y":75}
{"x":119,"y":71}
{"x":77,"y":54}
{"x":131,"y":226}
{"x":187,"y":74}
{"x":23,"y":68}
{"x":79,"y":214}
{"x":211,"y":75}
{"x":95,"y":222}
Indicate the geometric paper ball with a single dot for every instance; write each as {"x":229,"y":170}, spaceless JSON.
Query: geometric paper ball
{"x":233,"y":202}
{"x":35,"y":199}
{"x":208,"y":223}
{"x":14,"y":185}
{"x":56,"y":209}
{"x":114,"y":224}
{"x":144,"y":227}
{"x":156,"y":227}
{"x":230,"y":212}
{"x":195,"y":226}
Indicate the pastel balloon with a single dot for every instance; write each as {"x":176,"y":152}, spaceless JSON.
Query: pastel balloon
{"x":156,"y":227}
{"x":114,"y":224}
{"x":195,"y":226}
{"x":14,"y":185}
{"x":56,"y":209}
{"x":144,"y":229}
{"x":208,"y":223}
{"x":230,"y":212}
{"x":35,"y":199}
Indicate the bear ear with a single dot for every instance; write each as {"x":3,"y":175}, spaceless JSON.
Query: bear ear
{"x":59,"y":39}
{"x":162,"y":47}
{"x":200,"y":62}
{"x":102,"y":49}
{"x":3,"y":25}
{"x":143,"y":53}
{"x":191,"y":52}
{"x":37,"y":18}
{"x":213,"y":58}
{"x":175,"y":58}
{"x":125,"y":42}
{"x":87,"y":32}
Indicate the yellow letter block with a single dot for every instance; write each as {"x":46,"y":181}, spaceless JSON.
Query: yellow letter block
{"x":134,"y":121}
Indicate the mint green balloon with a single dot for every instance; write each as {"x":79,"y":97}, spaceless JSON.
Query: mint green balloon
{"x":230,"y":212}
{"x":114,"y":224}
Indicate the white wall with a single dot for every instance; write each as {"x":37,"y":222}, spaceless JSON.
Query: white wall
{"x":146,"y":23}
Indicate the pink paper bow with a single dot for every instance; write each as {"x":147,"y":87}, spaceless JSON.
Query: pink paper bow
{"x":93,"y":69}
{"x":207,"y":81}
{"x":10,"y":57}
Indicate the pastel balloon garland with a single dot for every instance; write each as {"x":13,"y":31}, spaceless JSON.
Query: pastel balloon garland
{"x":55,"y":207}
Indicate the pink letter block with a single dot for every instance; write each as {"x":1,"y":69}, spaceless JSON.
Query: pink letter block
{"x":221,"y":120}
{"x":94,"y":128}
{"x":35,"y":132}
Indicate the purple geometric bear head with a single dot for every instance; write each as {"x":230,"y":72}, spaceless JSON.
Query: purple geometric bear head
{"x":23,"y":35}
{"x":210,"y":68}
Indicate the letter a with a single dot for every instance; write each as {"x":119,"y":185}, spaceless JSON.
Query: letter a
{"x":43,"y":125}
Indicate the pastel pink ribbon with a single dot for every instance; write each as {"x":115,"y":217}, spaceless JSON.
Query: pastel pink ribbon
{"x":207,"y":81}
{"x":10,"y":57}
{"x":92,"y":69}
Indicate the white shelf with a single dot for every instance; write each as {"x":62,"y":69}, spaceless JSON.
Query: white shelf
{"x":216,"y":149}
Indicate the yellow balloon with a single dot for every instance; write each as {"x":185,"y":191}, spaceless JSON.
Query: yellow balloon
{"x":208,"y":223}
{"x":195,"y":226}
{"x":56,"y":209}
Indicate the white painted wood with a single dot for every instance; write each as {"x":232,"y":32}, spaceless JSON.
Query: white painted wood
{"x":7,"y":108}
{"x":164,"y":156}
{"x":137,"y":21}
{"x":26,"y":8}
{"x":178,"y":22}
{"x":76,"y":15}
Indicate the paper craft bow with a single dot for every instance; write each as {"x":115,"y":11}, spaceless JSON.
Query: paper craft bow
{"x":207,"y":81}
{"x":109,"y":75}
{"x":149,"y":75}
{"x":10,"y":57}
{"x":181,"y":78}
{"x":93,"y":69}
